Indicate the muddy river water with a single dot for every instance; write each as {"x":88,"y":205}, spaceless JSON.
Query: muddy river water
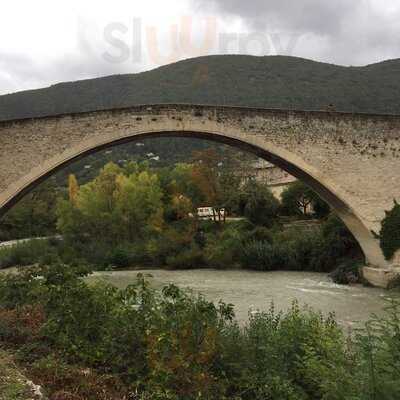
{"x":252,"y":291}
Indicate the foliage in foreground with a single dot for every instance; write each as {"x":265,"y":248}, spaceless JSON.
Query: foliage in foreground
{"x":97,"y":342}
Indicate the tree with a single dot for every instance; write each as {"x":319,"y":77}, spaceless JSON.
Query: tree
{"x":139,"y":207}
{"x":260,"y":205}
{"x":34,"y":215}
{"x":180,"y":182}
{"x":114,"y":207}
{"x":73,"y":189}
{"x":205,"y":175}
{"x":218,"y":179}
{"x":181,"y":207}
{"x":299,"y":199}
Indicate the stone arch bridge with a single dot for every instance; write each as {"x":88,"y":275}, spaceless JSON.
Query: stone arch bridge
{"x":351,"y":160}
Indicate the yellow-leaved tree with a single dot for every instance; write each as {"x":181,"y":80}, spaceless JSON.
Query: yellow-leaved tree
{"x":73,"y":189}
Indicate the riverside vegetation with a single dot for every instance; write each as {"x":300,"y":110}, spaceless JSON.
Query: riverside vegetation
{"x":137,"y":216}
{"x":82,"y":341}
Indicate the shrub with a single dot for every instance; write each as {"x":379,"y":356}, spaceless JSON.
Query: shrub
{"x":120,"y":257}
{"x":33,"y":216}
{"x":346,"y":273}
{"x":263,"y":256}
{"x":261,"y":206}
{"x":259,"y":233}
{"x":299,"y":199}
{"x":223,"y":250}
{"x":338,"y":244}
{"x":186,"y":259}
{"x":255,"y":255}
{"x":242,"y":225}
{"x":390,"y":233}
{"x":26,"y":253}
{"x":292,"y":347}
{"x":21,"y":325}
{"x":320,"y":250}
{"x":378,"y":344}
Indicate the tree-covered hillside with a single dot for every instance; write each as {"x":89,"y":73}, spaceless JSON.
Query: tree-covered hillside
{"x":271,"y":82}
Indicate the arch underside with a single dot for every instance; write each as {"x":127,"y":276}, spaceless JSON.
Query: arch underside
{"x":281,"y":159}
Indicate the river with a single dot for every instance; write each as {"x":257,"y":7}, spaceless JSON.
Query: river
{"x":249,"y":290}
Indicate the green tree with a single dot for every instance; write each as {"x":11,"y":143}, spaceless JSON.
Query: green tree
{"x":299,"y":199}
{"x":205,"y":175}
{"x":34,"y":215}
{"x":179,"y":181}
{"x":260,"y":205}
{"x":139,"y":207}
{"x":121,"y":207}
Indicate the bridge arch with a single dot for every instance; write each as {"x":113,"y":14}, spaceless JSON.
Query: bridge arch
{"x":267,"y":151}
{"x":350,"y":160}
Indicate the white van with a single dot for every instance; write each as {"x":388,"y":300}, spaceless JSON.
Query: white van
{"x":211,"y":214}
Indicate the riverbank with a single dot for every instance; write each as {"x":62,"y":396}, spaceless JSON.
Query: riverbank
{"x":255,"y":291}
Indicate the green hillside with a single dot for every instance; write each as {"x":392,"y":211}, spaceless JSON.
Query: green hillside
{"x":271,"y":82}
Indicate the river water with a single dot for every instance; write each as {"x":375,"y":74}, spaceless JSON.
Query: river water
{"x":254,"y":291}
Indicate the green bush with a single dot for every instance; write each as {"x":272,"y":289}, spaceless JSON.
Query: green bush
{"x":279,"y":251}
{"x":378,"y":344}
{"x":260,"y":233}
{"x":299,"y":200}
{"x":17,"y":290}
{"x":120,"y":257}
{"x":186,"y":259}
{"x":33,"y":216}
{"x":27,"y":253}
{"x":261,"y":256}
{"x":346,"y":273}
{"x":320,"y":250}
{"x":260,"y":206}
{"x":223,"y":250}
{"x":390,"y":233}
{"x":136,"y":254}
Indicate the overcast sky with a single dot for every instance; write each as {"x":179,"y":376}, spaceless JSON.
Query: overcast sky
{"x":48,"y":41}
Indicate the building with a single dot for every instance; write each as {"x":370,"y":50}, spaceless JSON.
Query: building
{"x":275,"y":178}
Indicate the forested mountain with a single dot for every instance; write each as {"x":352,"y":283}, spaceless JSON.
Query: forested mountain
{"x":271,"y":82}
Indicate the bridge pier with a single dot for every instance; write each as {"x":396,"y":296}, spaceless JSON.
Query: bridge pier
{"x":384,"y":277}
{"x":381,"y":277}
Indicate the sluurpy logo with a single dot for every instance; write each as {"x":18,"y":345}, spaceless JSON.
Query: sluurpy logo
{"x":147,"y":44}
